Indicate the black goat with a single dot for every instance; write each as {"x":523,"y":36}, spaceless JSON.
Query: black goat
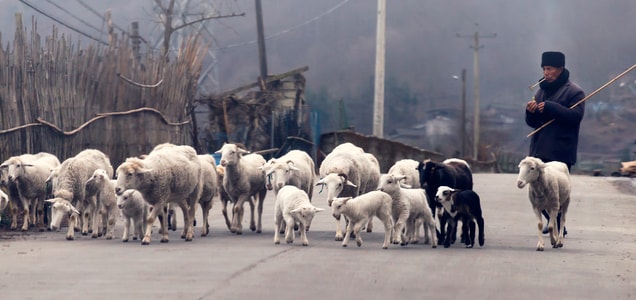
{"x":462,"y":205}
{"x":454,"y":173}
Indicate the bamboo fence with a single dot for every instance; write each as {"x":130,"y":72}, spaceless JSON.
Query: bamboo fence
{"x":62,"y":97}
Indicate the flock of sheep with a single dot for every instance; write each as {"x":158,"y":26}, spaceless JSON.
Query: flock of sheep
{"x":414,"y":199}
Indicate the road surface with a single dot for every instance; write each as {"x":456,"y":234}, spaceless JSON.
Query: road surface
{"x":598,"y":260}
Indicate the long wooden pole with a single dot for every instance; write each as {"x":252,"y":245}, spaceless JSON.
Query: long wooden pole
{"x":586,"y":97}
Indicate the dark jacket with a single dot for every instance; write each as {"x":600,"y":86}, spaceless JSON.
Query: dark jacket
{"x":559,"y":140}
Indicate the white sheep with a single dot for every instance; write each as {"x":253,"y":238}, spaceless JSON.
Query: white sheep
{"x":169,"y":173}
{"x":4,"y":202}
{"x":348,"y":171}
{"x":360,"y":210}
{"x":243,"y":180}
{"x":408,"y":168}
{"x":69,"y":183}
{"x":293,"y":207}
{"x":29,"y":173}
{"x":60,"y":209}
{"x":409,"y":207}
{"x":102,"y":187}
{"x":134,"y":210}
{"x":294,"y":168}
{"x":210,"y":188}
{"x":548,"y":189}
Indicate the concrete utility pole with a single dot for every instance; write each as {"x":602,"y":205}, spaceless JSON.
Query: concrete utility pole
{"x":262,"y":57}
{"x":476,"y":47}
{"x":380,"y":46}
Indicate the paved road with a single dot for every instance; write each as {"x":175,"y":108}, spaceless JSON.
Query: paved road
{"x":598,"y":260}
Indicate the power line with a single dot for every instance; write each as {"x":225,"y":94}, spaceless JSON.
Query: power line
{"x":72,"y":15}
{"x":290,"y":29}
{"x":64,"y":24}
{"x":95,"y":12}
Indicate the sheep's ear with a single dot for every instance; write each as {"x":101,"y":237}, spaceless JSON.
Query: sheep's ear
{"x":320,"y":182}
{"x":243,"y":151}
{"x":318,"y":209}
{"x":349,"y":183}
{"x":51,"y":200}
{"x":405,"y":186}
{"x":346,"y":199}
{"x":294,"y":211}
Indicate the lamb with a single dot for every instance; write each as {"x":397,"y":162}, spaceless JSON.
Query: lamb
{"x":409,"y":207}
{"x":293,"y":207}
{"x":549,"y":189}
{"x":452,"y":172}
{"x":408,"y":168}
{"x":169,"y":173}
{"x":294,"y":168}
{"x":13,"y":197}
{"x":69,"y":184}
{"x":134,"y":209}
{"x":243,"y":180}
{"x":210,"y":188}
{"x":102,"y":187}
{"x":465,"y":205}
{"x":348,"y":171}
{"x":29,"y":173}
{"x":4,"y":202}
{"x":360,"y":210}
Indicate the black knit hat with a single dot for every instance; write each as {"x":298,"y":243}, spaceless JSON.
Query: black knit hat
{"x":553,"y":59}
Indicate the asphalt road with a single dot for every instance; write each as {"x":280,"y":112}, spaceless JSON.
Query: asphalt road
{"x":598,"y":260}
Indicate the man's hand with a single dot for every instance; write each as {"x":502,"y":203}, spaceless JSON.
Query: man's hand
{"x":532,"y":106}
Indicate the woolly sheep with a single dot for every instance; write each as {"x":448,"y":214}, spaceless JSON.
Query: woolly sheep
{"x":348,"y":171}
{"x":69,"y":183}
{"x":243,"y":180}
{"x":4,"y":202}
{"x":409,"y":206}
{"x":294,"y":168}
{"x":293,"y":207}
{"x":548,"y":189}
{"x":463,"y":205}
{"x":61,"y":208}
{"x":167,"y":174}
{"x":102,"y":187}
{"x":14,"y":198}
{"x":360,"y":210}
{"x":210,"y":188}
{"x":134,"y":210}
{"x":408,"y":168}
{"x":29,"y":173}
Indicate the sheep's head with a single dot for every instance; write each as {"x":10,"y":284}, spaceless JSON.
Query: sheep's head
{"x":100,"y":175}
{"x":130,"y":174}
{"x":338,"y":206}
{"x":334,"y":183}
{"x":390,"y":182}
{"x":60,"y":208}
{"x":530,"y":168}
{"x":445,"y":196}
{"x":125,"y":200}
{"x":426,"y":169}
{"x":305,"y":214}
{"x":230,"y":154}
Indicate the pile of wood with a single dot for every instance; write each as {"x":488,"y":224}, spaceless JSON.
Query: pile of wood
{"x":628,"y":168}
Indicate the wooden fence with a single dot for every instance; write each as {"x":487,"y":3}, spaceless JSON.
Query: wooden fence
{"x":63,"y":97}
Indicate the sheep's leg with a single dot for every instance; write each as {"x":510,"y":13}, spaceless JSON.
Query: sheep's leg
{"x":553,"y":228}
{"x":356,"y":230}
{"x":277,"y":225}
{"x":289,"y":230}
{"x":432,"y":230}
{"x":339,"y":231}
{"x":184,"y":210}
{"x":124,"y":237}
{"x":388,"y":228}
{"x":40,"y":213}
{"x":96,"y":222}
{"x":398,"y":237}
{"x":25,"y":218}
{"x":189,"y":220}
{"x":85,"y":220}
{"x":540,"y":243}
{"x":559,"y":243}
{"x":154,"y":211}
{"x":469,"y":240}
{"x":252,"y":216}
{"x":14,"y":217}
{"x":261,"y":200}
{"x":452,"y":224}
{"x":205,"y":211}
{"x":480,"y":223}
{"x":349,"y":229}
{"x":224,"y":200}
{"x":303,"y":233}
{"x":370,"y":225}
{"x":72,"y":222}
{"x":237,"y":217}
{"x":110,"y":225}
